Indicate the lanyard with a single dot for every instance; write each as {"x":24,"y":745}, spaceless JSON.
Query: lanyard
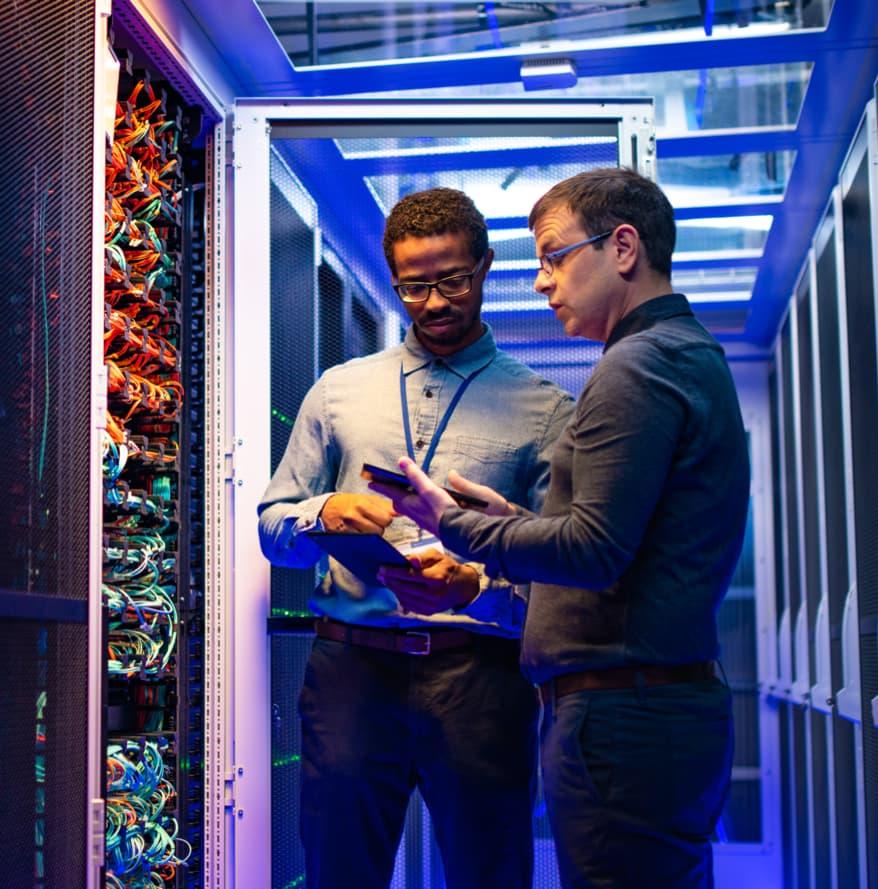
{"x":425,"y":466}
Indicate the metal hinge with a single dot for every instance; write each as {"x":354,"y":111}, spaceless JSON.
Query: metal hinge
{"x":230,"y":467}
{"x":229,"y":790}
{"x":100,"y":401}
{"x":98,"y":831}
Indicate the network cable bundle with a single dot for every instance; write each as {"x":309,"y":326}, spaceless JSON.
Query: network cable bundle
{"x":150,"y":471}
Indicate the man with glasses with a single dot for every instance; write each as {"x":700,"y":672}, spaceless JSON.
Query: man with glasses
{"x":416,"y":683}
{"x":637,"y":542}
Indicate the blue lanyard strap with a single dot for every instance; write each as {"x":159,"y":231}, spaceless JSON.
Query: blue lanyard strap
{"x":428,"y":458}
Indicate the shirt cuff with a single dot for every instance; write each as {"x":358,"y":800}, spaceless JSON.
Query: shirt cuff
{"x":498,"y":602}
{"x":484,"y":583}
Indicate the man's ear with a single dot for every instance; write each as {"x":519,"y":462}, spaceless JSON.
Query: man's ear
{"x":489,"y":258}
{"x":626,"y":244}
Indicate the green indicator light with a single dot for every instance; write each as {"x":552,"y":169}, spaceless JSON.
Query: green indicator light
{"x":292,"y":759}
{"x":281,"y":416}
{"x":286,"y":612}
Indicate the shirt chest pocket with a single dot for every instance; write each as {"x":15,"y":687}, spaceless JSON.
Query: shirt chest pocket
{"x":488,"y":461}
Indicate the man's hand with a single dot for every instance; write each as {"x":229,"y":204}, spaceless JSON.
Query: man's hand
{"x":357,"y":512}
{"x":433,"y":582}
{"x":426,"y":505}
{"x":497,"y":504}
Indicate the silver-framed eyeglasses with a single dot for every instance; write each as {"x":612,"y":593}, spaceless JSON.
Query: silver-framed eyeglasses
{"x":451,"y":287}
{"x":548,"y":260}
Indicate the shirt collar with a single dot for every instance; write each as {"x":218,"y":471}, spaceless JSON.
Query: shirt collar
{"x":658,"y":308}
{"x":474,"y":357}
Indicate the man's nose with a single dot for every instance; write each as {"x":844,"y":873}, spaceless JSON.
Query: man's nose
{"x":543,"y":283}
{"x":435,"y":300}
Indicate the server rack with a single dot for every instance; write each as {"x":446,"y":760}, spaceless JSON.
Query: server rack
{"x":122,"y":275}
{"x":859,"y":230}
{"x":824,"y":403}
{"x":47,"y":256}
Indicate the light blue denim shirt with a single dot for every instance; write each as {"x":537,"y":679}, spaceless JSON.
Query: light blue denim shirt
{"x":500,"y":434}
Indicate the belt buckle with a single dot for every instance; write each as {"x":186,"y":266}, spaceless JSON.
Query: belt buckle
{"x":421,"y":652}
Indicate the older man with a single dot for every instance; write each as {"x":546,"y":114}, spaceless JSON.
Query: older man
{"x":638,"y":538}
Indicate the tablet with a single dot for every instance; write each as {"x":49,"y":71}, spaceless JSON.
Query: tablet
{"x":361,"y":553}
{"x":398,"y":480}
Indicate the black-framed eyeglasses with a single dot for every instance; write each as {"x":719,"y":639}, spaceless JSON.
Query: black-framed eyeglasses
{"x":548,"y":260}
{"x":451,"y":287}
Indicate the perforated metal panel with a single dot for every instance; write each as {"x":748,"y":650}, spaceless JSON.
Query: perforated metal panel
{"x":869,"y":672}
{"x":46,"y":88}
{"x":741,"y":820}
{"x":833,"y":455}
{"x":788,"y":835}
{"x":363,"y":329}
{"x":776,"y":494}
{"x":860,"y":303}
{"x":332,"y":305}
{"x":742,"y":817}
{"x":841,"y":762}
{"x":810,"y":572}
{"x":799,"y":778}
{"x":293,"y":312}
{"x":45,"y":285}
{"x":791,"y":501}
{"x":42,"y":754}
{"x":846,"y":791}
{"x":808,"y":457}
{"x":289,"y":654}
{"x":293,"y":352}
{"x":820,"y":789}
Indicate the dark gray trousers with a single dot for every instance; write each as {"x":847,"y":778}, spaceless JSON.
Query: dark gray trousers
{"x":460,"y":725}
{"x":635,"y":782}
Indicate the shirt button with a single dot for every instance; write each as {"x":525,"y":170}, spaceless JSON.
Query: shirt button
{"x":429,"y":393}
{"x":419,"y":443}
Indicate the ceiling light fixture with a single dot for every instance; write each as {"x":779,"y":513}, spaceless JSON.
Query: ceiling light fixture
{"x":548,"y":74}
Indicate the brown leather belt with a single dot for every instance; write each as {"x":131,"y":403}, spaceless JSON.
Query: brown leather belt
{"x":414,"y":642}
{"x":625,"y":677}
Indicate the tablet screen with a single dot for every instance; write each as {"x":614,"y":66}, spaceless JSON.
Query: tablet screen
{"x":363,"y":554}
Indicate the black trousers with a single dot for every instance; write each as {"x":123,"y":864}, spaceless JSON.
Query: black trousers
{"x":635,"y":782}
{"x":460,"y":725}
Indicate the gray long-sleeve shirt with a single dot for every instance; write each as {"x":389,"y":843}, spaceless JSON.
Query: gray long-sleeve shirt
{"x":501,"y":434}
{"x":644,"y":519}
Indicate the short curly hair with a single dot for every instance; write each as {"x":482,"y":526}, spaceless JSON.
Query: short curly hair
{"x":436,"y":211}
